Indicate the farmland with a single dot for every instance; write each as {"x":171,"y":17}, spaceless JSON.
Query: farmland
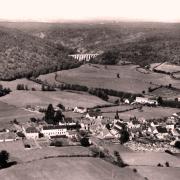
{"x":166,"y":93}
{"x":146,"y":113}
{"x":9,"y":113}
{"x":167,"y":67}
{"x":106,"y":77}
{"x":13,"y":84}
{"x":41,"y":98}
{"x":68,"y":168}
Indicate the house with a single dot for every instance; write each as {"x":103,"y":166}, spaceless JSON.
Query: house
{"x":7,"y":137}
{"x":162,"y":132}
{"x":143,"y":100}
{"x":72,"y":134}
{"x":126,"y":101}
{"x":80,"y":110}
{"x":118,"y":126}
{"x":92,"y":115}
{"x":31,"y":133}
{"x":51,"y":131}
{"x":105,"y":134}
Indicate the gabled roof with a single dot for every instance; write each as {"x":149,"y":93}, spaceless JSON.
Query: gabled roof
{"x":54,"y":127}
{"x":94,"y":114}
{"x":82,"y":108}
{"x":161,"y":129}
{"x":31,"y":130}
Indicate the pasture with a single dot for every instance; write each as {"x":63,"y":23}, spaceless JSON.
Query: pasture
{"x":166,"y":93}
{"x":149,"y":159}
{"x":101,"y":76}
{"x":160,"y":173}
{"x":43,"y":98}
{"x":167,"y":67}
{"x":10,"y":112}
{"x":68,"y":168}
{"x":13,"y":84}
{"x":146,"y":113}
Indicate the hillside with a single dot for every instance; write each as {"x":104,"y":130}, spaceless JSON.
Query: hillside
{"x":24,"y":55}
{"x":141,"y":43}
{"x":28,"y":49}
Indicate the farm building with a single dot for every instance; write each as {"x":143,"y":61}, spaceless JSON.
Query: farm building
{"x":142,"y":100}
{"x":50,"y":131}
{"x":94,"y":115}
{"x":31,"y":133}
{"x":7,"y":136}
{"x":80,"y":110}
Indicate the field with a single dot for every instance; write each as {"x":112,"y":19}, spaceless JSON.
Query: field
{"x":177,"y":75}
{"x":149,"y":159}
{"x":43,"y":98}
{"x":166,"y":93}
{"x":9,"y":113}
{"x":68,"y":168}
{"x":167,"y":67}
{"x":146,"y":113}
{"x":154,"y":173}
{"x":106,"y":77}
{"x":13,"y":84}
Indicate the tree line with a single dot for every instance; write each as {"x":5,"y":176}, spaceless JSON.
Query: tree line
{"x":4,"y":91}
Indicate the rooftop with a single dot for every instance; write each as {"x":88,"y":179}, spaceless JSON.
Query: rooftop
{"x":31,"y":130}
{"x":54,"y":127}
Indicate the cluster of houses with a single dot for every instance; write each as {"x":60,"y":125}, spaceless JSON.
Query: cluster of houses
{"x":93,"y":121}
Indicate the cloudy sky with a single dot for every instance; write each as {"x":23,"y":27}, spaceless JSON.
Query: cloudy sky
{"x":55,"y":10}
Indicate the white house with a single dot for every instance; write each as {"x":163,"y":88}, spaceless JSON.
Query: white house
{"x":94,"y":115}
{"x":143,"y":100}
{"x":80,"y":110}
{"x":50,"y":131}
{"x":31,"y":133}
{"x":127,"y":101}
{"x":7,"y":137}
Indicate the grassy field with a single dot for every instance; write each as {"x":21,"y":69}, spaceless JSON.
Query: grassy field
{"x":13,"y":84}
{"x":41,"y":98}
{"x":68,"y":168}
{"x":166,"y":93}
{"x":154,"y":173}
{"x":147,"y":113}
{"x":167,"y":67}
{"x":98,"y":76}
{"x":149,"y":159}
{"x":9,"y":113}
{"x":177,"y":75}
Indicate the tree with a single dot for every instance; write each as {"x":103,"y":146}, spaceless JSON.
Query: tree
{"x":85,"y":142}
{"x":117,"y":115}
{"x":49,"y":114}
{"x":124,"y":136}
{"x":160,"y":100}
{"x":59,"y":117}
{"x":4,"y":157}
{"x":61,"y":107}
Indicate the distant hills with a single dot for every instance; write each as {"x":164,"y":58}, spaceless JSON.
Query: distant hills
{"x":25,"y":47}
{"x":23,"y":55}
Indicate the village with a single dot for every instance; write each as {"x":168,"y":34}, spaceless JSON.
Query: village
{"x":57,"y":129}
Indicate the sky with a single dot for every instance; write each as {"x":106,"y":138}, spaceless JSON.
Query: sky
{"x":77,"y":10}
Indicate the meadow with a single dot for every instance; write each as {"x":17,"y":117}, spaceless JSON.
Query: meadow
{"x":167,"y":67}
{"x":146,"y":113}
{"x":100,"y":76}
{"x":10,"y":112}
{"x":68,"y":168}
{"x":43,"y":98}
{"x":13,"y":84}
